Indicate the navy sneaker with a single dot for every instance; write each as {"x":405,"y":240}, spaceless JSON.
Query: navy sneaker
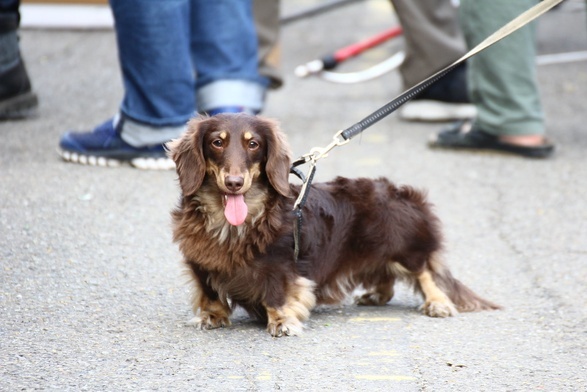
{"x":104,"y":147}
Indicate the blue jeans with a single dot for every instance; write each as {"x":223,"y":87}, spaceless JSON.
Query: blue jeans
{"x":174,"y":53}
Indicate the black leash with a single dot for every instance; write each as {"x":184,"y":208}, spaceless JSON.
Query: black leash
{"x":344,"y":136}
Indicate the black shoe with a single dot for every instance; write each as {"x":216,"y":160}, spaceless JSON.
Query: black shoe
{"x":445,"y":100}
{"x":451,"y":88}
{"x":464,"y":136}
{"x":16,"y":97}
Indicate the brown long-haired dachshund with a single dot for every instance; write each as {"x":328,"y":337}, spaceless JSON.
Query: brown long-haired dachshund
{"x":234,"y":226}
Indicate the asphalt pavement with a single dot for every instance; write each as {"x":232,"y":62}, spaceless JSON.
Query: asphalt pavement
{"x":92,"y":296}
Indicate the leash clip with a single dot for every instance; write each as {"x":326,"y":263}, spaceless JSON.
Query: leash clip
{"x":313,"y":157}
{"x":318,"y":153}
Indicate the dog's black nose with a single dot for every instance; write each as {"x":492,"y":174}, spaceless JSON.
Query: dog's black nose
{"x":234,"y":183}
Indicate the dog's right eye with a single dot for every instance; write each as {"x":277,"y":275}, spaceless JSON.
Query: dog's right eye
{"x":253,"y":145}
{"x":217,"y":143}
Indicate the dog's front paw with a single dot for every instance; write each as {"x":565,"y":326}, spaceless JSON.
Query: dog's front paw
{"x":439,"y":309}
{"x":289,"y":327}
{"x":209,"y":321}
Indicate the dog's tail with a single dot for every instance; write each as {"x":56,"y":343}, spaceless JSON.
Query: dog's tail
{"x":464,"y":299}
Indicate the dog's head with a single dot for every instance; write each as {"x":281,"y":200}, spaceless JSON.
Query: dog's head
{"x":233,"y":151}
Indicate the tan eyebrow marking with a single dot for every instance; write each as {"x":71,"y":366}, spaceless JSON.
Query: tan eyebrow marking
{"x":248,"y":135}
{"x":223,"y":135}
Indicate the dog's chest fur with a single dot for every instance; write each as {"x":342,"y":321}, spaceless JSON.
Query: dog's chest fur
{"x":205,"y":236}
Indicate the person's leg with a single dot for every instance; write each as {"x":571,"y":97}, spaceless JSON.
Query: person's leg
{"x":160,"y":69}
{"x":157,"y":72}
{"x":224,"y":50}
{"x":433,"y":40}
{"x":502,"y":79}
{"x":266,"y":13}
{"x":159,"y":83}
{"x":153,"y":48}
{"x":432,"y":36}
{"x":16,"y":97}
{"x":503,"y":85}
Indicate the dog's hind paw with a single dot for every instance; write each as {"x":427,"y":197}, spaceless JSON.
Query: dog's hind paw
{"x":439,"y":309}
{"x":209,"y":321}
{"x":372,"y":299}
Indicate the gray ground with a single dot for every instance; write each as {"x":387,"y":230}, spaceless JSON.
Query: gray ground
{"x":92,"y":296}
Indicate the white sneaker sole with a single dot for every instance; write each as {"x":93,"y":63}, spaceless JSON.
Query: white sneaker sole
{"x":436,"y":111}
{"x":139,"y":163}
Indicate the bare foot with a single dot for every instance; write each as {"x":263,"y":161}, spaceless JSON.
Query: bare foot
{"x":523,"y":140}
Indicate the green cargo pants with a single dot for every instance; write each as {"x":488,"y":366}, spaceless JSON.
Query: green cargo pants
{"x":502,"y":79}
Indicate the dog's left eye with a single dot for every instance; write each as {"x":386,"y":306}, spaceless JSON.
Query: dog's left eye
{"x":217,"y":143}
{"x":253,"y":145}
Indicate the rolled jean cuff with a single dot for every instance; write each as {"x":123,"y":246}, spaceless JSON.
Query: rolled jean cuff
{"x":140,"y":135}
{"x":235,"y":92}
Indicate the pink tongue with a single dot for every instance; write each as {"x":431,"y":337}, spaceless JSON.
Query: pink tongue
{"x":235,"y":210}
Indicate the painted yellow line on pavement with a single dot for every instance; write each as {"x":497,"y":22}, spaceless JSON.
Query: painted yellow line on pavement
{"x":372,"y":319}
{"x":374,"y":161}
{"x":264,"y":376}
{"x":383,"y":377}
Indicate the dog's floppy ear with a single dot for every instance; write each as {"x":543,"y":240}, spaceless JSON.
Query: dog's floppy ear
{"x":278,"y":158}
{"x":188,"y":155}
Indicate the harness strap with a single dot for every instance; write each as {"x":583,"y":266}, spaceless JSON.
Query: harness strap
{"x":298,"y":210}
